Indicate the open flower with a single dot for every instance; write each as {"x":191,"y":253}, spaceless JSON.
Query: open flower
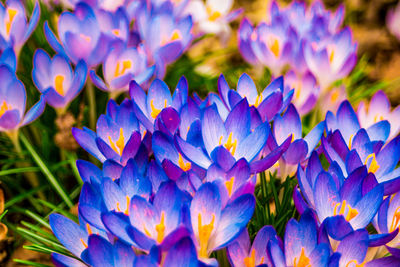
{"x":15,"y":30}
{"x":13,"y":102}
{"x":55,"y":78}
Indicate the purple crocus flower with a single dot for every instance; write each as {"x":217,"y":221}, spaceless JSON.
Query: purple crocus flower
{"x":165,"y":37}
{"x":331,"y":59}
{"x":9,"y":58}
{"x":121,"y":66}
{"x":13,"y":102}
{"x":377,"y":110}
{"x":55,"y":78}
{"x":243,"y":254}
{"x":80,"y":36}
{"x":301,"y":245}
{"x":148,"y":106}
{"x":213,"y":226}
{"x":306,"y":91}
{"x":118,"y":135}
{"x":289,"y":124}
{"x":15,"y":30}
{"x":270,"y":102}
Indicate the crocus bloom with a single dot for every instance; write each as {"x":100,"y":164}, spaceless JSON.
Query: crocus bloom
{"x":332,"y":59}
{"x":241,"y":254}
{"x":331,"y":100}
{"x":215,"y":227}
{"x":55,"y":78}
{"x":8,"y":58}
{"x":148,"y":106}
{"x":268,"y":103}
{"x":392,"y":21}
{"x":165,"y":37}
{"x":212,"y":16}
{"x":121,"y":66}
{"x":13,"y":102}
{"x":15,"y":30}
{"x":118,"y":136}
{"x":379,"y":109}
{"x":301,"y":245}
{"x":306,"y":91}
{"x":80,"y":36}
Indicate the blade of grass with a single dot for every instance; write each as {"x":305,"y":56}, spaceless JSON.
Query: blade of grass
{"x":30,"y":263}
{"x":19,"y":170}
{"x":53,"y":181}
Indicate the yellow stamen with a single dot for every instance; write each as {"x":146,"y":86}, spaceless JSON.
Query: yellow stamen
{"x":146,"y":231}
{"x":126,"y":65}
{"x":116,"y":32}
{"x":303,"y":261}
{"x":11,"y":15}
{"x":350,"y":141}
{"x":58,"y":82}
{"x":213,"y":15}
{"x":395,"y":220}
{"x":160,"y":228}
{"x":373,"y":166}
{"x":176,"y":35}
{"x":118,"y":146}
{"x":128,"y":202}
{"x":332,"y":56}
{"x":4,"y":107}
{"x":350,"y":214}
{"x":378,"y":118}
{"x":259,"y":99}
{"x":83,"y":243}
{"x":229,"y":144}
{"x":89,"y":230}
{"x":355,"y":263}
{"x":229,"y":185}
{"x":155,"y":111}
{"x":251,"y":261}
{"x":334,"y":96}
{"x":184,"y":166}
{"x":204,"y":235}
{"x":274,"y":46}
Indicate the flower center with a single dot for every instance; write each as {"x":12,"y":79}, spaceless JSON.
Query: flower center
{"x":118,"y":146}
{"x":128,"y":201}
{"x":230,"y":144}
{"x":334,"y":96}
{"x":355,"y":263}
{"x":213,"y":15}
{"x":340,"y":209}
{"x":273,"y":45}
{"x":303,"y":261}
{"x":58,"y":83}
{"x":11,"y":15}
{"x":176,"y":35}
{"x":259,"y":99}
{"x":373,"y":166}
{"x":160,"y":228}
{"x":85,"y":37}
{"x":204,"y":235}
{"x":116,"y":32}
{"x":120,"y":70}
{"x":229,"y":185}
{"x":155,"y":111}
{"x":395,"y":220}
{"x":4,"y":107}
{"x":184,"y":166}
{"x":250,"y":261}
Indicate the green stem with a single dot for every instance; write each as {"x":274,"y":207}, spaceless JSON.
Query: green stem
{"x":50,"y":177}
{"x":92,"y":104}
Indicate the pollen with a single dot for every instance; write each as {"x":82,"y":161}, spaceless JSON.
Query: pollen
{"x":274,"y":47}
{"x":155,"y":111}
{"x":11,"y":15}
{"x":4,"y":107}
{"x":184,"y":166}
{"x":126,"y":65}
{"x":213,"y":15}
{"x":118,"y":146}
{"x":204,"y":235}
{"x":116,"y":32}
{"x":230,"y":144}
{"x":58,"y":84}
{"x":373,"y":166}
{"x":303,"y":260}
{"x":351,"y":213}
{"x":160,"y":228}
{"x":229,"y":185}
{"x":251,"y":260}
{"x":395,"y":220}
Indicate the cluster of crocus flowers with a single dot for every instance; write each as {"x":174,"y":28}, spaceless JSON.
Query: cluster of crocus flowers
{"x":178,"y":177}
{"x":307,"y":39}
